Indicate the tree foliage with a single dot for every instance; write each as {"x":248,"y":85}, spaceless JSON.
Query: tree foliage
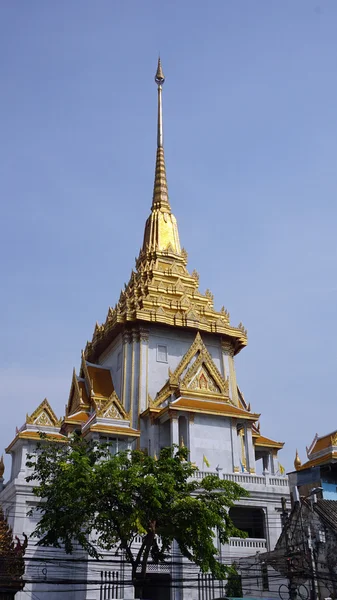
{"x":83,"y":488}
{"x":234,"y":584}
{"x":12,"y":564}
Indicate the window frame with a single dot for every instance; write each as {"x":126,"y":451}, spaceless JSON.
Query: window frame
{"x":158,"y":353}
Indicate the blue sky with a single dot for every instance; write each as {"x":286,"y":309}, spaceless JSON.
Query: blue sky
{"x":251,"y":143}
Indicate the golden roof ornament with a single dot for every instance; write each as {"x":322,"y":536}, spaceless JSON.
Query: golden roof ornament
{"x":297,"y":461}
{"x":2,"y":466}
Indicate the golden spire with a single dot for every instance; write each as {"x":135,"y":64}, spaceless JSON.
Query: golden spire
{"x":161,"y":231}
{"x":160,"y":193}
{"x":297,"y":461}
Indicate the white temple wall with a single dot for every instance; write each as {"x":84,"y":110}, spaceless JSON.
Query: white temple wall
{"x":210,"y":436}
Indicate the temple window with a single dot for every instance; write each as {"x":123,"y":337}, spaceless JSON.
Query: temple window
{"x":116,"y":444}
{"x":161,"y":353}
{"x":250,"y":520}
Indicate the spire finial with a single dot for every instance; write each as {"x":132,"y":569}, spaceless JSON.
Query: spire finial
{"x":160,"y":193}
{"x":297,"y":461}
{"x":161,"y":231}
{"x":159,"y":76}
{"x":159,"y":79}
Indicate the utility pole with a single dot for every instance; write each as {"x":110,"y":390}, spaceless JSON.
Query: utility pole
{"x":315,"y":587}
{"x":284,"y":519}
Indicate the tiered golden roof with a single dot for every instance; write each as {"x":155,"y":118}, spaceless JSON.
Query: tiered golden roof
{"x":161,"y":289}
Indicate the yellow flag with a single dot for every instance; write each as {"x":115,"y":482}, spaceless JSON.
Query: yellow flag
{"x":282,"y":469}
{"x":204,"y":460}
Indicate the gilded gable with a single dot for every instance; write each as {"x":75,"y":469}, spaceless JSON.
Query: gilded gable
{"x":202,"y":381}
{"x":43,"y":416}
{"x":196,"y":373}
{"x":111,"y":408}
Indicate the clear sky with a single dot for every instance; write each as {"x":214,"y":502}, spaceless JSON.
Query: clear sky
{"x":251,"y":144}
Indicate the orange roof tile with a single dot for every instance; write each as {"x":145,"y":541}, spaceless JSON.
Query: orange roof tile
{"x":101,"y":381}
{"x":35,"y":435}
{"x":210,"y":407}
{"x":111,"y":429}
{"x":329,"y":456}
{"x":266,"y":442}
{"x":322,"y":444}
{"x":79,"y":417}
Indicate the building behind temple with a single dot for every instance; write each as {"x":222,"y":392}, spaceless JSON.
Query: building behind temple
{"x":159,"y":370}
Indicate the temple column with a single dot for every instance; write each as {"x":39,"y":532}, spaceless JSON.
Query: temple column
{"x":190,"y":440}
{"x":265,"y":460}
{"x":174,"y":429}
{"x":143,"y":369}
{"x":155,"y":436}
{"x":126,"y":381}
{"x":249,"y":447}
{"x":229,"y":371}
{"x":235,"y":447}
{"x":273,"y":462}
{"x":134,"y":392}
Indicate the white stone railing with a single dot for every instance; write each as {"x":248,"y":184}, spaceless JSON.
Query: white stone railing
{"x":247,"y":478}
{"x":283,"y":481}
{"x":259,"y":543}
{"x":202,"y":474}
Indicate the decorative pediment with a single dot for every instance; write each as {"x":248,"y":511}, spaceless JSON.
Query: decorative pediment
{"x":111,"y":409}
{"x":203,"y":381}
{"x":204,"y":376}
{"x":179,"y":285}
{"x":76,"y":400}
{"x":196,"y":372}
{"x":43,"y":416}
{"x":192,"y":315}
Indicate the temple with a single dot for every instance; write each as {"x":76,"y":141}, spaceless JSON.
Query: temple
{"x":159,"y":370}
{"x":318,"y":472}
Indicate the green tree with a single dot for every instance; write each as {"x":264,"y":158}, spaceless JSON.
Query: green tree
{"x":234,"y":583}
{"x":84,"y":488}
